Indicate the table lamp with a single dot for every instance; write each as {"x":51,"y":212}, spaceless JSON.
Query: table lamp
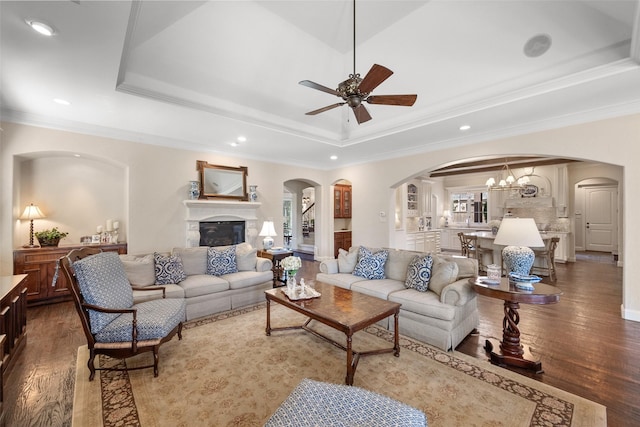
{"x":31,"y":212}
{"x":268,"y":231}
{"x":518,"y":235}
{"x":446,"y":215}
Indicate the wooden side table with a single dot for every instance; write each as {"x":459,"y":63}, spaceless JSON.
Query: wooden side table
{"x":279,"y":278}
{"x":510,"y":351}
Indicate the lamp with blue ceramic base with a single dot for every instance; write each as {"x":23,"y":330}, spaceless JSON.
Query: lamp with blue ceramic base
{"x":519,"y":235}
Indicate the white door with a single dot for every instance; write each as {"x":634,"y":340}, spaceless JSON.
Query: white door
{"x":600,"y":218}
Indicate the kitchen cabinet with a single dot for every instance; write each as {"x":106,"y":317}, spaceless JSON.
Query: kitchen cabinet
{"x":39,"y":264}
{"x":342,"y":201}
{"x":341,"y":239}
{"x":424,"y":241}
{"x":426,"y":197}
{"x":449,"y":239}
{"x":432,"y":241}
{"x":413,"y":206}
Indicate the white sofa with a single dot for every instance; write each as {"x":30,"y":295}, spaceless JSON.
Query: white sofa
{"x":204,"y":293}
{"x":442,"y":316}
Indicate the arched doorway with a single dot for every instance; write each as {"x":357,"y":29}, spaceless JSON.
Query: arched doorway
{"x":299,"y":212}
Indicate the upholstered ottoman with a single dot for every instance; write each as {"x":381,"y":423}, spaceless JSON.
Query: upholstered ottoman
{"x":314,"y":403}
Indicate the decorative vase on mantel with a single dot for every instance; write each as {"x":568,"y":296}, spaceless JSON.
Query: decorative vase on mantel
{"x":194,"y":190}
{"x":253,"y":193}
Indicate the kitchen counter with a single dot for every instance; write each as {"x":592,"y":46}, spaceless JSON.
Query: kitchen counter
{"x":486,"y":238}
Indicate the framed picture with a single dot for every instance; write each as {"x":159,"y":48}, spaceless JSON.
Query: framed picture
{"x":95,"y":238}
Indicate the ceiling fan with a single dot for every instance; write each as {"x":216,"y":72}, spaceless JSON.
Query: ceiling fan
{"x":356,"y":90}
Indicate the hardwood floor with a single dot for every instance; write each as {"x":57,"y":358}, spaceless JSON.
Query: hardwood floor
{"x":585,"y":347}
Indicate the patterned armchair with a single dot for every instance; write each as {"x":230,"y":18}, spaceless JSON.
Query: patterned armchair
{"x":112,"y":324}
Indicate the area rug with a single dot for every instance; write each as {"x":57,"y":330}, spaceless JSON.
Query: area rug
{"x":227,"y":372}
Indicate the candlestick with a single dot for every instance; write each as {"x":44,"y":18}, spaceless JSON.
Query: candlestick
{"x":116,"y":225}
{"x":99,"y":229}
{"x":109,"y":225}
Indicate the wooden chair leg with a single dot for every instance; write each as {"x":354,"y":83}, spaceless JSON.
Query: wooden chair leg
{"x":155,"y":360}
{"x":92,"y":368}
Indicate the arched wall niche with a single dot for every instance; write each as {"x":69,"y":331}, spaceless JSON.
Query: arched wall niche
{"x":76,"y":192}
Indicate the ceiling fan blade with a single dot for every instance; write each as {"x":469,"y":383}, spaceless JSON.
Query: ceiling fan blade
{"x":323,"y":109}
{"x":376,"y":75}
{"x":404,"y":100}
{"x":361,"y":113}
{"x":317,"y":86}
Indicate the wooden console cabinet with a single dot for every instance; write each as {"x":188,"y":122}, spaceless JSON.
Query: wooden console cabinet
{"x":341,"y":239}
{"x":39,"y":264}
{"x":13,"y":317}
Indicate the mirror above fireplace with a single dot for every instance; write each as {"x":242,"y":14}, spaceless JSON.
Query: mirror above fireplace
{"x":225,"y":182}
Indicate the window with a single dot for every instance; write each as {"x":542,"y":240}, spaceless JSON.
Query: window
{"x":469,"y":206}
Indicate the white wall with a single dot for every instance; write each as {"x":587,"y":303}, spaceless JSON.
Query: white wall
{"x":83,"y":194}
{"x":158,"y":176}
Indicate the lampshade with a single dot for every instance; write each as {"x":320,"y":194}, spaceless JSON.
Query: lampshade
{"x":32,"y":212}
{"x":446,"y":213}
{"x":518,"y":234}
{"x":268,"y":230}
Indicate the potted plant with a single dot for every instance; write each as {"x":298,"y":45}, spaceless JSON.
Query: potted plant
{"x":50,"y":237}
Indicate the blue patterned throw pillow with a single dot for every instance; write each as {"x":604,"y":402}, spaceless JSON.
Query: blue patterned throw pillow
{"x":169,"y":269}
{"x":221,"y":261}
{"x":419,"y":273}
{"x":370,"y":265}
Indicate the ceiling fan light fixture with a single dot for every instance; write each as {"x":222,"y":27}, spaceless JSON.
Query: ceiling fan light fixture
{"x":355,"y":90}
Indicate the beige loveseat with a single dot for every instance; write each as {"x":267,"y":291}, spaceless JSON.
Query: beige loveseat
{"x":442,"y":316}
{"x":204,"y":293}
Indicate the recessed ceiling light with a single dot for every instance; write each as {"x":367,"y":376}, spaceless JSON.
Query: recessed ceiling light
{"x":76,"y":155}
{"x":465,"y":127}
{"x":234,"y":144}
{"x":41,"y":27}
{"x":242,"y":139}
{"x":334,"y":157}
{"x":61,"y":101}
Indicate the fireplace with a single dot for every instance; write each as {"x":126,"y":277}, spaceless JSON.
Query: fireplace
{"x":217,"y":212}
{"x":221,"y":233}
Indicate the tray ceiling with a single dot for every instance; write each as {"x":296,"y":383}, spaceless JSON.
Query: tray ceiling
{"x":198,"y":74}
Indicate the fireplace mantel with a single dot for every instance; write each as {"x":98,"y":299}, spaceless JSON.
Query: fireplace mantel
{"x":220,"y":210}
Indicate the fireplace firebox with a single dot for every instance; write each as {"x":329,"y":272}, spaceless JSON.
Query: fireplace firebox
{"x":221,"y":233}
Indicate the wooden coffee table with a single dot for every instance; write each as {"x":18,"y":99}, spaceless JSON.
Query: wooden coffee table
{"x":342,"y":310}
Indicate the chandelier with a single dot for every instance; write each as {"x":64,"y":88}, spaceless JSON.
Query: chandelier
{"x":507,"y":181}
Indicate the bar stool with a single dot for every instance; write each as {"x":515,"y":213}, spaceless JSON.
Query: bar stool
{"x":549,"y":255}
{"x":471,"y":249}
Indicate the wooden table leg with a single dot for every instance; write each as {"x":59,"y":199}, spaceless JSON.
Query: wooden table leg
{"x":350,"y":371}
{"x":510,"y":351}
{"x":268,"y":329}
{"x":396,"y":336}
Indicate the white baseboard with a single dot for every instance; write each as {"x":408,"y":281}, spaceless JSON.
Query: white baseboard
{"x":629,"y":314}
